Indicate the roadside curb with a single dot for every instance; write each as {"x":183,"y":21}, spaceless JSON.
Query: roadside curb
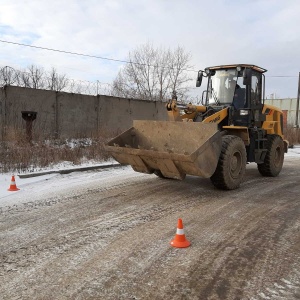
{"x":67,"y":171}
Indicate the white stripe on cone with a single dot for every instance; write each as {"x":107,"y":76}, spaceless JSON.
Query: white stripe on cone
{"x":180,"y":231}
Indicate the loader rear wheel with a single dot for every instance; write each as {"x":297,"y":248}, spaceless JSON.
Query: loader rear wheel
{"x":231,"y":165}
{"x":273,"y":161}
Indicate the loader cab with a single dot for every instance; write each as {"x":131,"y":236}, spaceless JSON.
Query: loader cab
{"x":239,"y":87}
{"x":221,"y":88}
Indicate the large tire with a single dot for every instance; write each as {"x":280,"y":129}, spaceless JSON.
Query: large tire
{"x":231,"y":165}
{"x":273,"y":161}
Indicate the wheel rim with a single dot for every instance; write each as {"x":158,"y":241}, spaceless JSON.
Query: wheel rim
{"x":235,"y":164}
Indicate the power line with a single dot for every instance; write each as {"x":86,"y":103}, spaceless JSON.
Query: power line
{"x":88,"y":55}
{"x":63,"y":51}
{"x":109,"y":59}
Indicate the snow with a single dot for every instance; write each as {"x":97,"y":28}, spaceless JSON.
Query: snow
{"x":45,"y":182}
{"x":293,"y":152}
{"x":40,"y":184}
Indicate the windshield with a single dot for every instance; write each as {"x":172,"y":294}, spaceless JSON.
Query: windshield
{"x":221,"y":87}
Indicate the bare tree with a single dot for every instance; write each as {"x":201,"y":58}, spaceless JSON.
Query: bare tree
{"x":7,"y":76}
{"x":36,"y":76}
{"x":179,"y":62}
{"x":23,"y":79}
{"x":153,"y":74}
{"x":55,"y":81}
{"x":32,"y":77}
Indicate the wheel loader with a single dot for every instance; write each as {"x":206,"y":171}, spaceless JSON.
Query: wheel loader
{"x":232,"y":127}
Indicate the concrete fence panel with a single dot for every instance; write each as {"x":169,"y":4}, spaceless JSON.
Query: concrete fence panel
{"x":67,"y":115}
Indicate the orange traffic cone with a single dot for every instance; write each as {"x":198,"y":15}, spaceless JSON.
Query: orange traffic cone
{"x":180,"y":241}
{"x":13,"y":186}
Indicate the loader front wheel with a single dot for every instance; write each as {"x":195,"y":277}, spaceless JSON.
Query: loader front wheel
{"x":273,"y":161}
{"x":231,"y":165}
{"x":159,"y":174}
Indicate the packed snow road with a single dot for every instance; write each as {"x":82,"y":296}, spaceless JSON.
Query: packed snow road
{"x":106,"y":235}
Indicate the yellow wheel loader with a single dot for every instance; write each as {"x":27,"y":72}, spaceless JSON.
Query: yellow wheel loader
{"x":214,"y":140}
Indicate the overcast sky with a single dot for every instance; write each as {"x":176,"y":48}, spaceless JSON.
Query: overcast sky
{"x":265,"y":33}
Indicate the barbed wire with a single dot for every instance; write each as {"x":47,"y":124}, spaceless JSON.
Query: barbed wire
{"x":38,"y":79}
{"x":60,"y":83}
{"x":52,"y":81}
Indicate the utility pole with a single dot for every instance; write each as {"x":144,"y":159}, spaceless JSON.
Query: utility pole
{"x":297,"y":108}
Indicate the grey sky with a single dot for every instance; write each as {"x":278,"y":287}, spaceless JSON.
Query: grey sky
{"x":265,"y":33}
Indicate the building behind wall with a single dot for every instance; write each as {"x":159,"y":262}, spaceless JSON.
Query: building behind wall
{"x":288,"y":106}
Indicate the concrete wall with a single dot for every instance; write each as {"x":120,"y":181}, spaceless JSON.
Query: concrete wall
{"x":68,"y":115}
{"x":65,"y":115}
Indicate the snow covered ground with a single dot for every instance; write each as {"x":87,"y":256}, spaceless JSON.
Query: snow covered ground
{"x":50,"y":183}
{"x":45,"y":182}
{"x":105,"y":234}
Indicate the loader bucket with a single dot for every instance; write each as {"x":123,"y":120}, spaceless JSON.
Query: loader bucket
{"x":173,"y":148}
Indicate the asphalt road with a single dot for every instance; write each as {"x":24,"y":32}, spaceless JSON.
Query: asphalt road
{"x":110,"y":239}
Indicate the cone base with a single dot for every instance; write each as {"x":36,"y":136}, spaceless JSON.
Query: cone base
{"x":13,"y":189}
{"x":177,"y":244}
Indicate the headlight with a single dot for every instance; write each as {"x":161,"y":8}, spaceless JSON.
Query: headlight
{"x":244,"y":112}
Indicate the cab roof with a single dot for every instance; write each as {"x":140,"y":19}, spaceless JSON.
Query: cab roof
{"x":233,"y":66}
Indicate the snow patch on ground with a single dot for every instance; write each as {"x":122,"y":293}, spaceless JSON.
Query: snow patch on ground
{"x":293,"y":152}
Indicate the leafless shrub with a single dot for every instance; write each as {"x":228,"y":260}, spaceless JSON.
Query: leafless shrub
{"x":292,"y":135}
{"x":19,"y":155}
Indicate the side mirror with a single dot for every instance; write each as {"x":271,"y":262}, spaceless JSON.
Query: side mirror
{"x":247,"y":76}
{"x":199,"y":79}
